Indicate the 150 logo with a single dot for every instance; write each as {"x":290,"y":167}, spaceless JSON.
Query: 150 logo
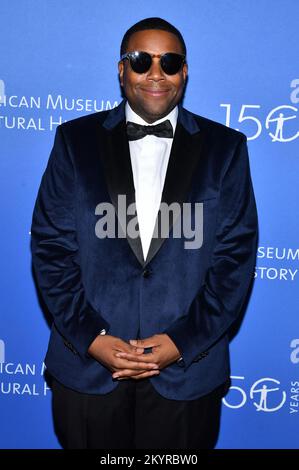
{"x":265,"y":394}
{"x":275,"y":121}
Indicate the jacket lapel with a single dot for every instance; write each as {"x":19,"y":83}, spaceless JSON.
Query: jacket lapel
{"x":183,"y":160}
{"x":118,"y":171}
{"x":184,"y":157}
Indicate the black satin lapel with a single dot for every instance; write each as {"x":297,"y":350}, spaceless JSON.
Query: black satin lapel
{"x":183,"y":160}
{"x":119,"y":178}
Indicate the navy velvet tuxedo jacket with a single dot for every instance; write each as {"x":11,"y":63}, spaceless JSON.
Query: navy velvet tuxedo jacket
{"x":89,"y":283}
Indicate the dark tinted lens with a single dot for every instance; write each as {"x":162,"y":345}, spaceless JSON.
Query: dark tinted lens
{"x":140,"y":62}
{"x":171,"y":63}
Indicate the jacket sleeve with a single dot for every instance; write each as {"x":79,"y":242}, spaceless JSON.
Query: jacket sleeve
{"x":55,"y":252}
{"x":219,"y":301}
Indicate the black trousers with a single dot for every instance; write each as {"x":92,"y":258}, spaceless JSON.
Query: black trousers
{"x":135,"y":416}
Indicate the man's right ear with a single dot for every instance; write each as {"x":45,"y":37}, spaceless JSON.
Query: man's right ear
{"x":121,"y":72}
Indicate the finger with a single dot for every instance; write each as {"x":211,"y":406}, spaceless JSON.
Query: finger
{"x":123,"y":346}
{"x":135,"y":365}
{"x":149,"y":357}
{"x":123,"y":363}
{"x":132,"y":373}
{"x":136,"y":350}
{"x":144,"y":343}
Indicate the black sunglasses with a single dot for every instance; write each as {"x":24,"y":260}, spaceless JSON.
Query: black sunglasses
{"x":140,"y":61}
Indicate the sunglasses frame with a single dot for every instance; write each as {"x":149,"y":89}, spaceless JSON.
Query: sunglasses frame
{"x":134,"y":54}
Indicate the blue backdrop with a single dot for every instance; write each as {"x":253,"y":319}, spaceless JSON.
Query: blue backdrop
{"x":58,"y":60}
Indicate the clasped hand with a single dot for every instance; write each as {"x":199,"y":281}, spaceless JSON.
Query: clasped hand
{"x":129,"y":360}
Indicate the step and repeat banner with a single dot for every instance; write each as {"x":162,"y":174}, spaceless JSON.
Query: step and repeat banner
{"x":58,"y":61}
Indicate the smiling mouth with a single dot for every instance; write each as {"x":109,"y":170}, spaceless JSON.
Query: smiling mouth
{"x":154,"y":92}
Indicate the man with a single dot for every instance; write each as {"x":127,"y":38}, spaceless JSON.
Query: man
{"x":139,"y":343}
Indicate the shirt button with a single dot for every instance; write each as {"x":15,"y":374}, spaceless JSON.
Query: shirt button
{"x":146,"y":273}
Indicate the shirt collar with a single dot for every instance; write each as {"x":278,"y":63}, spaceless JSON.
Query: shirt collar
{"x":134,"y":117}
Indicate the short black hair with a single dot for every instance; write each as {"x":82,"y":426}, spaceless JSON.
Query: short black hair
{"x":151,"y":23}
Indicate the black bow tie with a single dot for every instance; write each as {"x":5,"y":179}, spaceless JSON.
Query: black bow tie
{"x":138,"y":131}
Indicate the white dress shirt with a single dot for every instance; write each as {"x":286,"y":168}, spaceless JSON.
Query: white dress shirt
{"x":149,"y":160}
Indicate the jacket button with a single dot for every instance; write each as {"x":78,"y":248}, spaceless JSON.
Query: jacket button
{"x":146,"y":273}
